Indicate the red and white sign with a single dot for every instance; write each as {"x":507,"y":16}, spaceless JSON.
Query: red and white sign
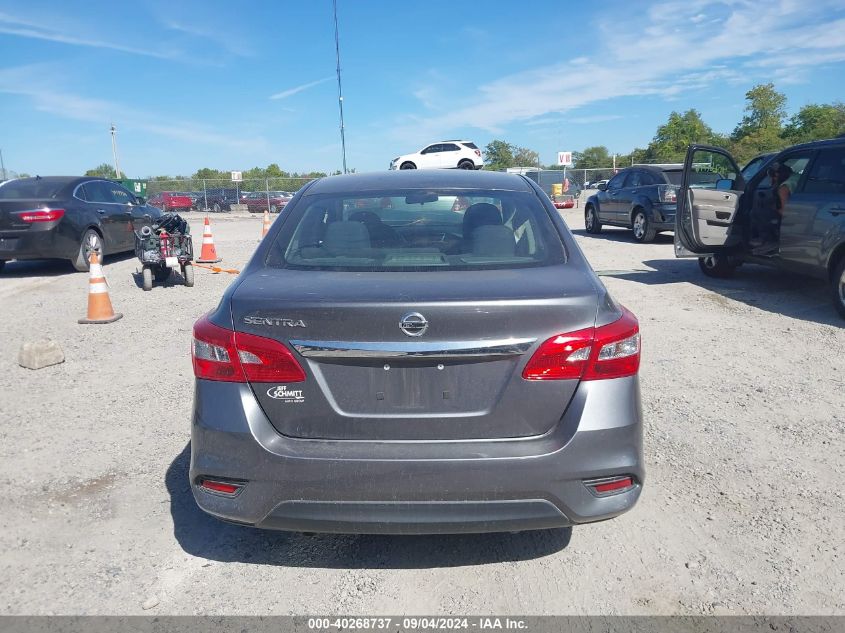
{"x":564,"y":158}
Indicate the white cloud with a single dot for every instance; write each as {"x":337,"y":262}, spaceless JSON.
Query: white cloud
{"x":292,"y":91}
{"x":665,"y":51}
{"x":596,"y":118}
{"x":12,"y":25}
{"x":42,"y":84}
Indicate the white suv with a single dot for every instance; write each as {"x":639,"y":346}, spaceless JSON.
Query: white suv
{"x":442,"y":155}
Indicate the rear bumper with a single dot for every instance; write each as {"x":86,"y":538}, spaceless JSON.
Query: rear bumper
{"x":417,"y":487}
{"x":663,"y":217}
{"x":36,"y":244}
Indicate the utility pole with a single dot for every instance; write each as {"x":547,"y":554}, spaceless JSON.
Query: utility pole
{"x":2,"y":166}
{"x":339,"y":89}
{"x":114,"y":150}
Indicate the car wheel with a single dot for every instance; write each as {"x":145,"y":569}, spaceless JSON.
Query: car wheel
{"x":91,"y":242}
{"x":162,"y":274}
{"x":466,"y":164}
{"x":642,"y":227}
{"x":147,"y":277}
{"x":188,"y":274}
{"x":837,"y":286}
{"x":216,"y":207}
{"x":591,"y":221}
{"x":407,"y":165}
{"x":717,"y":266}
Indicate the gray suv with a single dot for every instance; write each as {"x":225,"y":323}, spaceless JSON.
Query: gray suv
{"x":641,"y":198}
{"x":716,"y":223}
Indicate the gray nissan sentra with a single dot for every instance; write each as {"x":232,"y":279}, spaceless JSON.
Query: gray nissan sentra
{"x":417,"y":352}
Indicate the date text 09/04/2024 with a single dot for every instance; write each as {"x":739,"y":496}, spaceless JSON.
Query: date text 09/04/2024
{"x":416,"y":623}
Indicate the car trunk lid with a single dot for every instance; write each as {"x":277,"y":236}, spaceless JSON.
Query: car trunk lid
{"x":10,"y":219}
{"x":458,"y":379}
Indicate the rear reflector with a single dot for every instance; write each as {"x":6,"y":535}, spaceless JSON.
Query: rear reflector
{"x":224,"y":355}
{"x":610,"y":485}
{"x":221,"y":487}
{"x":41,"y":215}
{"x":609,"y":351}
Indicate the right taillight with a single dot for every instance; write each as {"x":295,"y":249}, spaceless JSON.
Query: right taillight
{"x":609,"y":351}
{"x":227,"y":356}
{"x":667,"y":193}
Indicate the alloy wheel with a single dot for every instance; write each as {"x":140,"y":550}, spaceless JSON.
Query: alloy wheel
{"x":639,"y":226}
{"x":93,"y":245}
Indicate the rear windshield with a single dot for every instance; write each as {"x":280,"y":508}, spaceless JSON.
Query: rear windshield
{"x":470,"y":145}
{"x":698,"y":179}
{"x":417,"y":230}
{"x":30,"y":188}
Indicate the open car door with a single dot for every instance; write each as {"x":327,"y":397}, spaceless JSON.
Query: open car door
{"x":708,"y":202}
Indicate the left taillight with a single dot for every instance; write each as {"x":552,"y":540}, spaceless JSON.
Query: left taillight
{"x":227,"y":356}
{"x":41,"y":215}
{"x":609,"y":351}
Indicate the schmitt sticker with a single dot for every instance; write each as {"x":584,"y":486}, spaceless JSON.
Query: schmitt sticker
{"x":284,"y":394}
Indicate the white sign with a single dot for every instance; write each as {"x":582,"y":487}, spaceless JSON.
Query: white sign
{"x":237,"y":176}
{"x":564,"y":158}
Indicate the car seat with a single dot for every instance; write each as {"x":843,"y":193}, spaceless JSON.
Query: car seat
{"x":346,"y":238}
{"x":480,"y":214}
{"x":493,"y":241}
{"x":381,"y":235}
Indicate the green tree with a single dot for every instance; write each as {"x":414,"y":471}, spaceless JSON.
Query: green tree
{"x":765,"y":109}
{"x":592,"y":158}
{"x":524,"y":157}
{"x":670,"y":142}
{"x":498,"y":155}
{"x":210,"y":174}
{"x":814,"y":122}
{"x":102,"y":171}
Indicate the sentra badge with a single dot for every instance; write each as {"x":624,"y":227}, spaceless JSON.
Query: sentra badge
{"x":277,"y":321}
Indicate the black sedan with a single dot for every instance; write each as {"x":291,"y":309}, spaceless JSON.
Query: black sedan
{"x":67,"y":217}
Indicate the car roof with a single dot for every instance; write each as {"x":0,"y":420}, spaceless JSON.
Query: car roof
{"x":60,"y":180}
{"x":420,"y":179}
{"x":840,"y":140}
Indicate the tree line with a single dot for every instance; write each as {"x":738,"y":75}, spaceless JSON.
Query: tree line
{"x":272,"y":171}
{"x":764,"y":127}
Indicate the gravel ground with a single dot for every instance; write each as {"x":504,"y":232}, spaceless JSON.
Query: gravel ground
{"x":742,"y":511}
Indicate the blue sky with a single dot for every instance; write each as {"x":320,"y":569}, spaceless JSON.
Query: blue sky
{"x":195,"y":84}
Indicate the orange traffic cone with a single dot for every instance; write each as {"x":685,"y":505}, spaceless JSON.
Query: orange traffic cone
{"x":208,"y":255}
{"x":266,"y":228}
{"x":99,"y":304}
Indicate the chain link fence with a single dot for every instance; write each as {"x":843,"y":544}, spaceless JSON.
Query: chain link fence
{"x":569,"y":185}
{"x":218,"y":196}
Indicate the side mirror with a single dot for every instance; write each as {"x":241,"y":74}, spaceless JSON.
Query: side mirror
{"x":141,"y":201}
{"x":724,"y":184}
{"x":602,"y":186}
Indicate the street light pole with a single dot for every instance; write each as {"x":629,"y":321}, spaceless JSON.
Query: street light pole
{"x":2,"y":166}
{"x":114,"y":150}
{"x":339,"y":89}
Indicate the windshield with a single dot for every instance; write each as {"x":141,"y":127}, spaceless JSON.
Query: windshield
{"x":30,"y":188}
{"x":754,"y":166}
{"x":417,"y":230}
